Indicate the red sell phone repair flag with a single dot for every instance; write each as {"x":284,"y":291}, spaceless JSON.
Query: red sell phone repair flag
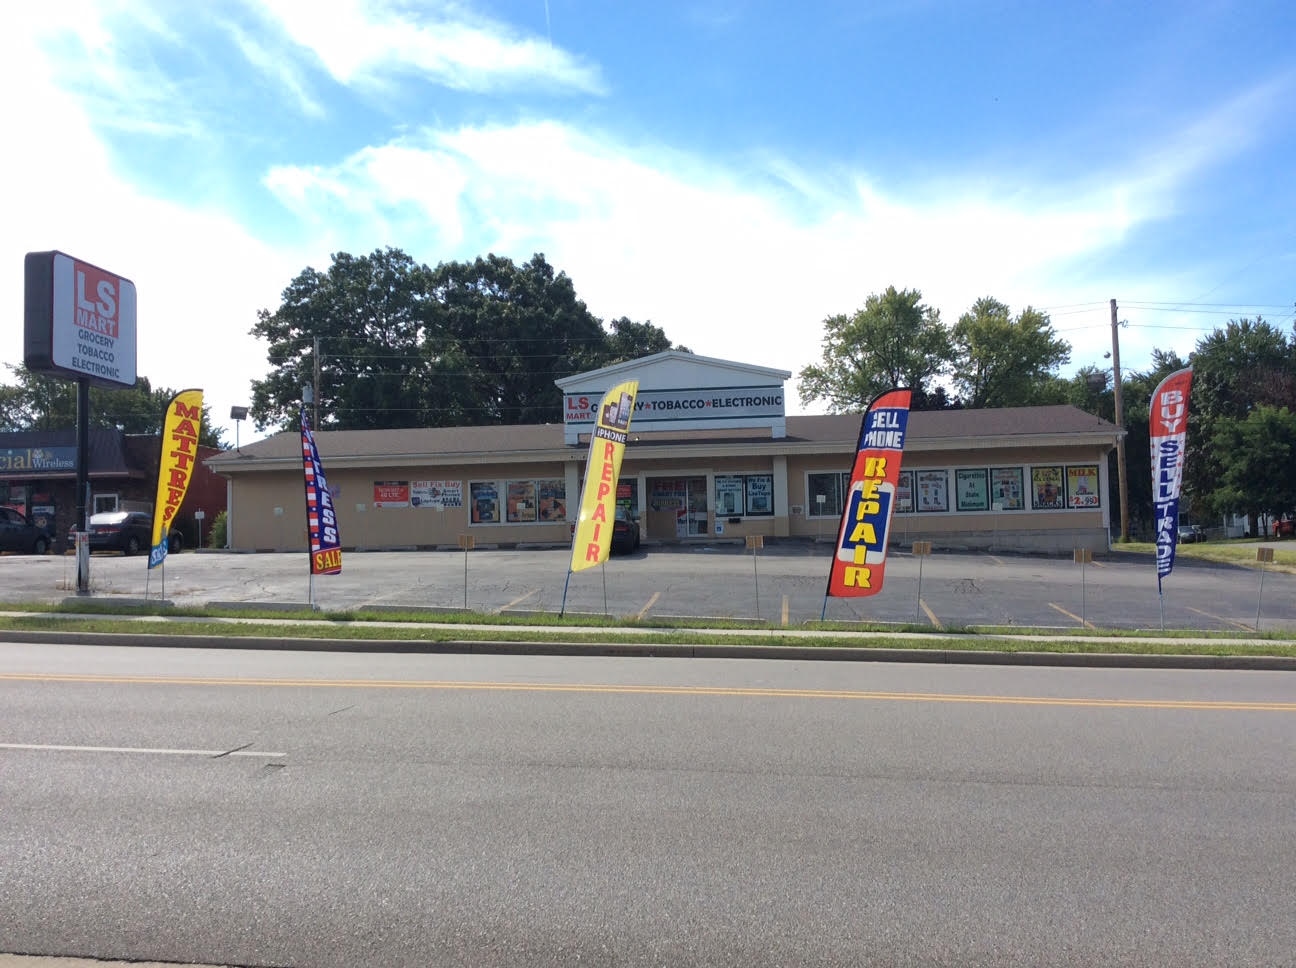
{"x":859,"y":555}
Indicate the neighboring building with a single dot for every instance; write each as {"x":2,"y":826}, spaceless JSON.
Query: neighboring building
{"x":712,"y":456}
{"x":38,"y":476}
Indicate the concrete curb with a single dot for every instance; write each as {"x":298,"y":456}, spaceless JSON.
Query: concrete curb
{"x":1109,"y":660}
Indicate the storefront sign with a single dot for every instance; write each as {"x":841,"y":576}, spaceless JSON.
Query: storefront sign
{"x":703,"y":407}
{"x":79,"y":320}
{"x":30,"y":461}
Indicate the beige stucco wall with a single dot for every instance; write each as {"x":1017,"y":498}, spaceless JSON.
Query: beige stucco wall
{"x":1050,"y":531}
{"x":255,"y":524}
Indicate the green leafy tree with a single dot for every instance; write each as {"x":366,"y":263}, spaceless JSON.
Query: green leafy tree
{"x":520,"y":328}
{"x":368,"y":315}
{"x":628,"y":340}
{"x":1258,"y":476}
{"x":39,"y":402}
{"x":402,"y":345}
{"x":894,"y":340}
{"x":1245,"y":365}
{"x":1005,"y":361}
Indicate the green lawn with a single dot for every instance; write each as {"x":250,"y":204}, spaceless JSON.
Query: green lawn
{"x":1232,"y":551}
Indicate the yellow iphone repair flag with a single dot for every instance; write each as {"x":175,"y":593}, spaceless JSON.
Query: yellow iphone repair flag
{"x":593,"y":539}
{"x":176,"y":466}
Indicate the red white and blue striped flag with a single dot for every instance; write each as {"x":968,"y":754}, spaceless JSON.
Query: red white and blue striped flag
{"x":1169,"y":433}
{"x":321,"y":519}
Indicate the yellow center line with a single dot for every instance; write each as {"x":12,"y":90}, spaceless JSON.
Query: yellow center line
{"x":651,"y":602}
{"x":661,"y":690}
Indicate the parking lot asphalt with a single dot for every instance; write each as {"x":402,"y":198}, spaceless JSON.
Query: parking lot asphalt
{"x":781,"y":586}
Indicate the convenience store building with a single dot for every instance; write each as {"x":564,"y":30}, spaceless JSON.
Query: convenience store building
{"x":712,"y":456}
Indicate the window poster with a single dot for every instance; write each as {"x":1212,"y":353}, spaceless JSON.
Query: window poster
{"x":521,"y":508}
{"x":436,"y":495}
{"x":1006,"y":489}
{"x":484,"y":496}
{"x":1046,"y":488}
{"x":1082,"y":486}
{"x":391,"y":494}
{"x":933,"y":490}
{"x":971,"y":490}
{"x":729,"y":495}
{"x":760,"y":493}
{"x":553,"y":499}
{"x":904,"y":493}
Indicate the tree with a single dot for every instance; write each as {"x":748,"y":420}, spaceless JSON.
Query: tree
{"x":402,"y":345}
{"x":629,"y":340}
{"x":40,"y":402}
{"x":1256,"y":447}
{"x":521,"y":327}
{"x":1002,"y":361}
{"x":368,"y":316}
{"x":1246,"y":365}
{"x":893,"y":341}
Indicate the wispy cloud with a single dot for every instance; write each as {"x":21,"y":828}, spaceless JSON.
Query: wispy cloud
{"x":365,"y":44}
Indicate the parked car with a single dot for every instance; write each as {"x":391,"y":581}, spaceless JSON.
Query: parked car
{"x":1191,"y":533}
{"x":129,"y":532}
{"x":1284,"y":528}
{"x":625,"y":532}
{"x":18,"y":533}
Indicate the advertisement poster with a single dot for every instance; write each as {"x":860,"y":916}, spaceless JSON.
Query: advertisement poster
{"x":521,"y":508}
{"x":1082,"y":486}
{"x":904,"y":493}
{"x":553,"y":499}
{"x":484,"y":497}
{"x":436,"y":495}
{"x":1006,"y":492}
{"x":391,"y":494}
{"x":1046,"y":489}
{"x":933,"y":491}
{"x":971,"y":490}
{"x":728,"y":496}
{"x":760,"y":494}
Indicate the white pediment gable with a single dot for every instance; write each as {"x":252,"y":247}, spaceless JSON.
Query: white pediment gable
{"x":672,"y":370}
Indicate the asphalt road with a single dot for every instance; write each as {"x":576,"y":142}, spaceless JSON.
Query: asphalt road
{"x":783,"y":585}
{"x":320,"y":809}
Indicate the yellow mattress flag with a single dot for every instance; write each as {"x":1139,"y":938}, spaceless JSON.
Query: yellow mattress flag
{"x":176,"y":466}
{"x":592,"y":542}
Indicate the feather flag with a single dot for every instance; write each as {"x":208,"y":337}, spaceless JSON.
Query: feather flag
{"x":859,"y":556}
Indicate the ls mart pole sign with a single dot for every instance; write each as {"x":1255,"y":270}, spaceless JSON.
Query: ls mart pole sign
{"x":79,"y":321}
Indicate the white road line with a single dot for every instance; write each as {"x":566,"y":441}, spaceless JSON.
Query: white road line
{"x":48,"y":748}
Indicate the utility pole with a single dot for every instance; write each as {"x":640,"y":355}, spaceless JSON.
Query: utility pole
{"x":315,"y":424}
{"x":1122,"y":481}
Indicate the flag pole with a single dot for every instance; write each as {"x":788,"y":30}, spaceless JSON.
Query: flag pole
{"x":563,"y":608}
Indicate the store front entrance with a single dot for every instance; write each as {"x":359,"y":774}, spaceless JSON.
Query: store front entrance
{"x":677,"y":508}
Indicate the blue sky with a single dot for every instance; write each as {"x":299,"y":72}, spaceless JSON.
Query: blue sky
{"x":732,"y":171}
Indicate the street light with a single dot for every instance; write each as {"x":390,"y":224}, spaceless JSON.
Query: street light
{"x":238,"y":414}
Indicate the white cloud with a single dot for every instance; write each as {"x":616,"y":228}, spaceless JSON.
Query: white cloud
{"x":744,"y":270}
{"x":200,"y":276}
{"x":362,"y":42}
